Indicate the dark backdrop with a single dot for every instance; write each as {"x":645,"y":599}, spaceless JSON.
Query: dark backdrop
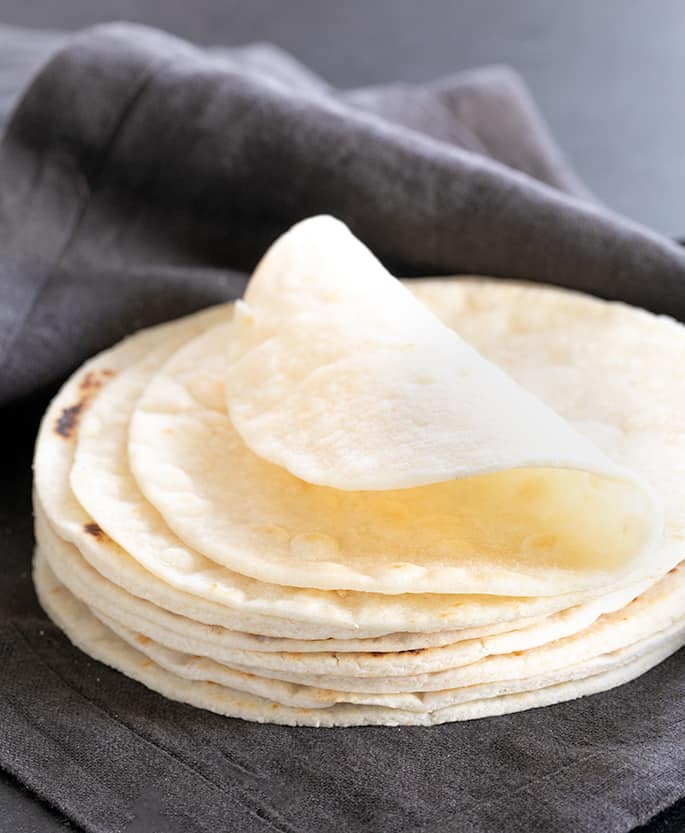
{"x":608,"y":74}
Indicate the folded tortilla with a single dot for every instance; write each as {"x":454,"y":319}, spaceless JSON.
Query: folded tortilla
{"x":369,"y":447}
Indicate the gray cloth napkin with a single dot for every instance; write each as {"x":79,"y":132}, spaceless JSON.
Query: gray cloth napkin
{"x":139,"y":178}
{"x":22,"y":53}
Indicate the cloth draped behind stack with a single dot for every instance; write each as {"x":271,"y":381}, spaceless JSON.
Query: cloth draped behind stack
{"x":322,"y":506}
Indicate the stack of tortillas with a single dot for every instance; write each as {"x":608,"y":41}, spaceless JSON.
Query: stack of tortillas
{"x":349,"y":501}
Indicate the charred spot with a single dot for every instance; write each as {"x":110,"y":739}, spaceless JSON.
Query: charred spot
{"x":88,"y":382}
{"x":414,"y":651}
{"x":377,"y":653}
{"x":95,"y":379}
{"x":95,"y":530}
{"x":68,"y":419}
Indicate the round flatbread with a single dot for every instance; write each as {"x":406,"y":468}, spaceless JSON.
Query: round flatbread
{"x":124,"y":538}
{"x":92,"y":636}
{"x":367,"y":446}
{"x":183,"y":633}
{"x":259,"y":519}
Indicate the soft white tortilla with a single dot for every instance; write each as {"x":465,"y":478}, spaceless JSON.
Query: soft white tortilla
{"x":381,"y":656}
{"x":139,"y":552}
{"x":192,"y":586}
{"x":336,"y":374}
{"x":183,"y":633}
{"x":656,"y":610}
{"x":303,"y":696}
{"x":155,"y":565}
{"x":292,"y":694}
{"x":554,"y":343}
{"x":89,"y":634}
{"x":259,"y":519}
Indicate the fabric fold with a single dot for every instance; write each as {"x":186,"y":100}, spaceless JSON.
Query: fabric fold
{"x":235,"y":161}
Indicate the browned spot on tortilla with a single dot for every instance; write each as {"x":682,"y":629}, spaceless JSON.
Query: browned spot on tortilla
{"x":325,"y":695}
{"x":275,"y":706}
{"x":89,"y":381}
{"x":95,"y":530}
{"x":140,"y":637}
{"x":95,"y":379}
{"x":145,"y":663}
{"x":57,"y":589}
{"x":413,"y":651}
{"x":68,"y":419}
{"x":209,"y":682}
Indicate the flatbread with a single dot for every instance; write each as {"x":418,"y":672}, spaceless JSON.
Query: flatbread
{"x":363,"y":656}
{"x":195,"y":587}
{"x":178,"y":554}
{"x":337,"y":377}
{"x":139,"y":552}
{"x":89,"y":634}
{"x":303,"y":696}
{"x":656,"y":610}
{"x":337,"y":374}
{"x":183,"y":633}
{"x":260,"y":520}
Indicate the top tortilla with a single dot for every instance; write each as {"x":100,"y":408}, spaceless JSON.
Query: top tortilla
{"x":366,"y":446}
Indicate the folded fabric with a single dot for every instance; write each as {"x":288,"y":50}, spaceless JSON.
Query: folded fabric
{"x":22,"y":53}
{"x":139,"y":178}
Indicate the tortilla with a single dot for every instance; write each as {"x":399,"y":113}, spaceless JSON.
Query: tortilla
{"x":655,"y":611}
{"x":89,"y":634}
{"x":186,"y":634}
{"x":202,"y":590}
{"x":259,"y":519}
{"x":337,"y":377}
{"x":378,"y":656}
{"x":189,"y":584}
{"x":292,"y":694}
{"x":174,"y":615}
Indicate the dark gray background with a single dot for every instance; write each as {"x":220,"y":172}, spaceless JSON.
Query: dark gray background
{"x":607,"y":75}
